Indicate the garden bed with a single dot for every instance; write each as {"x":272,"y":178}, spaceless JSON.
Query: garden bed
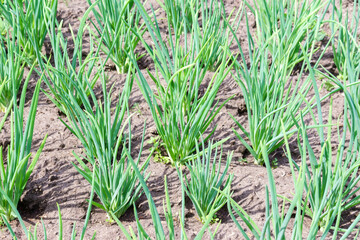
{"x":55,"y":180}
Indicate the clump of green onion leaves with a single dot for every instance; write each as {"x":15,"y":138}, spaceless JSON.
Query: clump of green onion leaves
{"x":271,"y":91}
{"x":345,"y":46}
{"x":325,"y":185}
{"x":270,"y":95}
{"x":100,"y":130}
{"x":158,"y":227}
{"x":181,"y":114}
{"x":338,"y":178}
{"x":27,"y":19}
{"x":114,"y":22}
{"x":207,"y":18}
{"x":289,"y":24}
{"x":11,"y":71}
{"x":64,"y":70}
{"x":320,"y":192}
{"x":17,"y":166}
{"x":215,"y":25}
{"x":178,"y":13}
{"x":205,"y":179}
{"x":331,"y":187}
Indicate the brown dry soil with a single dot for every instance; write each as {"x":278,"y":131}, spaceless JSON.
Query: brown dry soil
{"x":55,"y":180}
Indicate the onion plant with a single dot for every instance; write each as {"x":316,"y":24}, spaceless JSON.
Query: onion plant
{"x":29,"y":18}
{"x":179,"y":14}
{"x":348,"y":82}
{"x":213,"y":26}
{"x":271,"y":92}
{"x":158,"y":227}
{"x":278,"y":223}
{"x":324,"y":187}
{"x":19,"y":163}
{"x":11,"y":70}
{"x":114,"y":21}
{"x":101,"y":132}
{"x":346,"y":41}
{"x":331,"y":188}
{"x":205,"y":179}
{"x":208,"y":20}
{"x":343,"y":187}
{"x":180,"y":113}
{"x":321,"y":191}
{"x":68,"y":70}
{"x":288,"y":24}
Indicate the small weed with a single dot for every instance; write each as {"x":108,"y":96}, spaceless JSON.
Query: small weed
{"x":4,"y":26}
{"x":136,"y":109}
{"x":274,"y":163}
{"x":328,"y":85}
{"x":158,"y":149}
{"x":215,"y":219}
{"x":243,"y":160}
